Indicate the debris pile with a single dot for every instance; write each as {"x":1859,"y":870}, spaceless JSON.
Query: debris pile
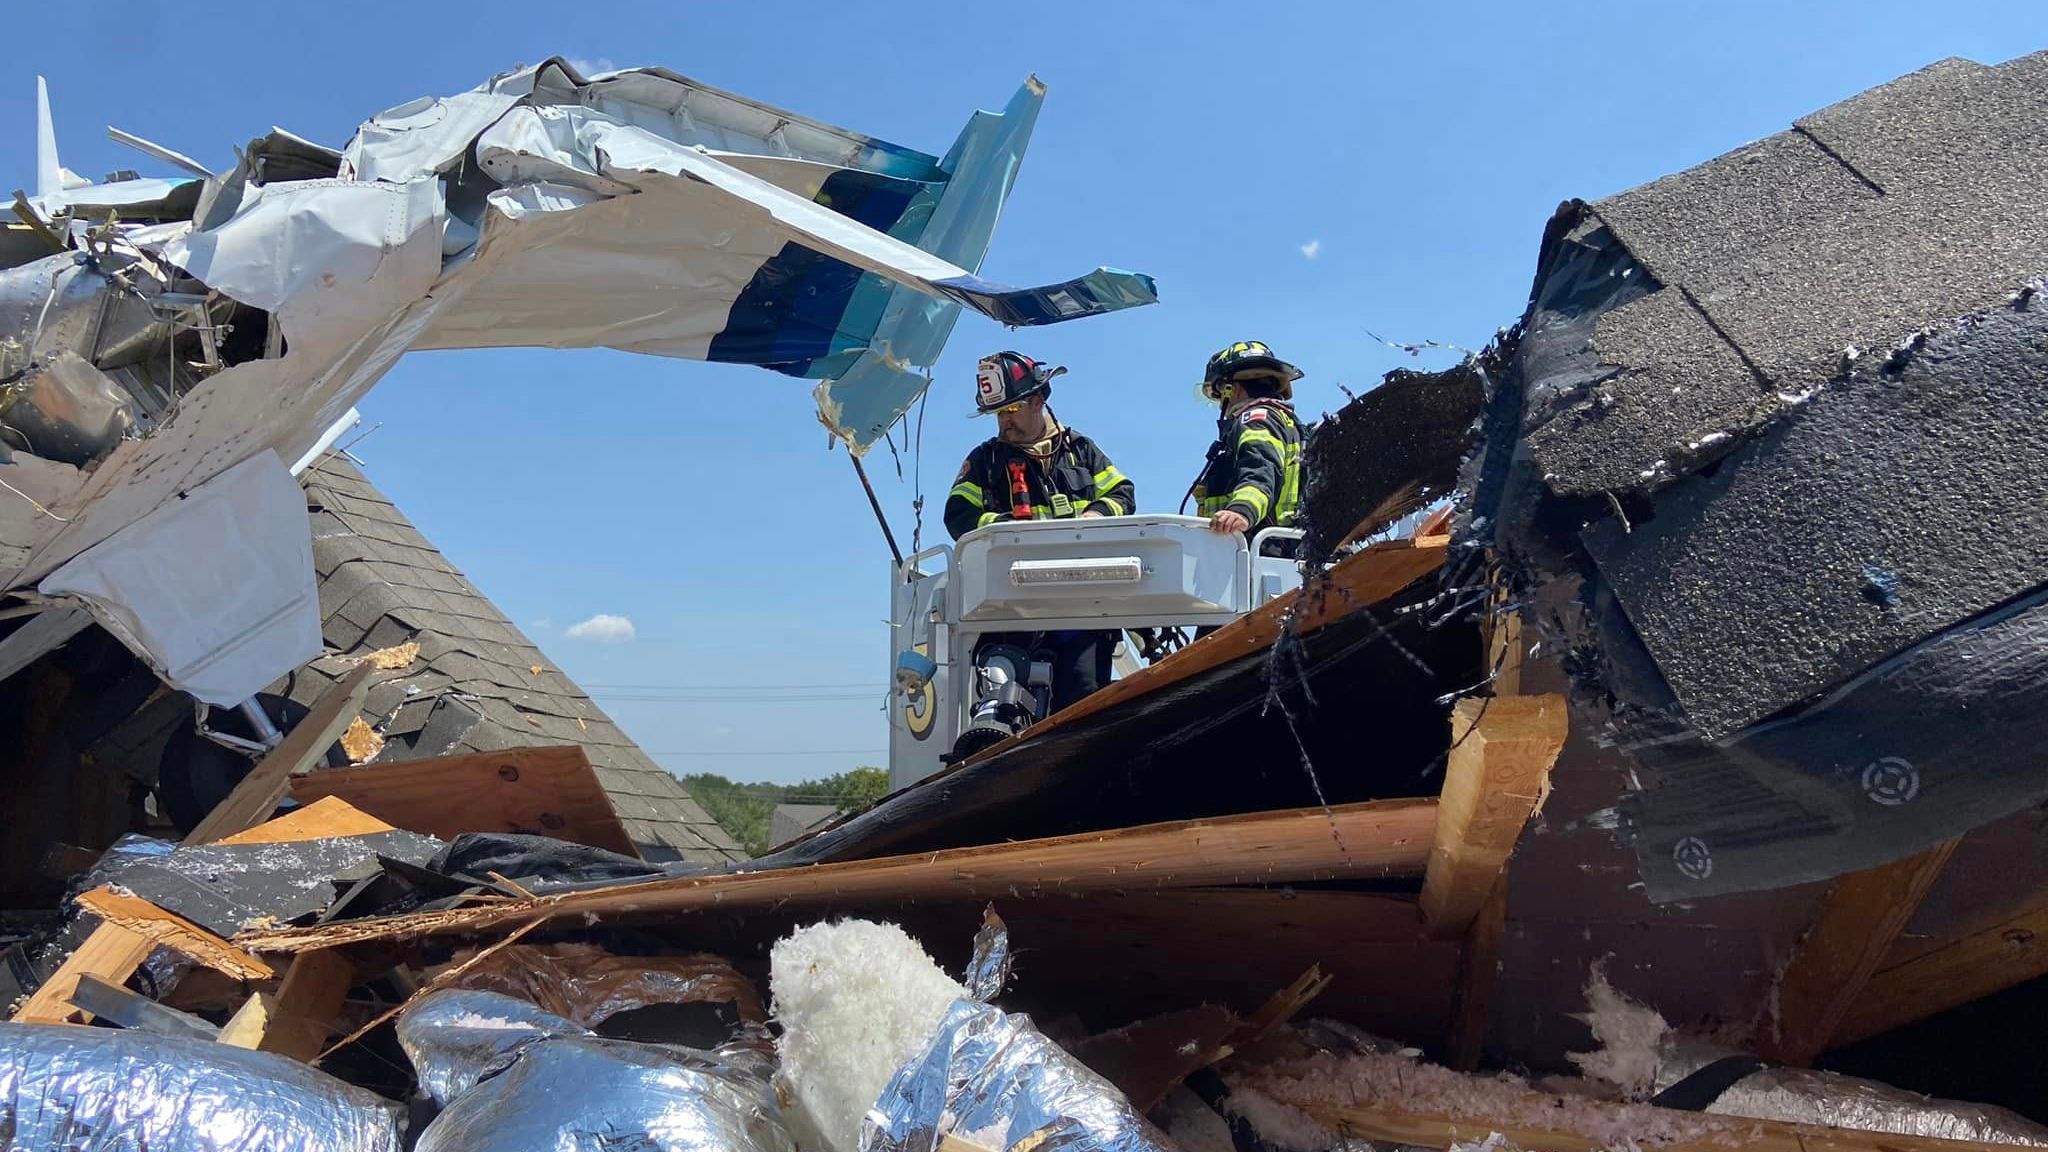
{"x":1565,"y":778}
{"x":329,"y":980}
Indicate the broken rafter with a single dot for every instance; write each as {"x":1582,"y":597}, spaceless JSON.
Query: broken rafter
{"x":131,"y":927}
{"x":1497,"y":772}
{"x":1125,"y":955}
{"x":172,"y":931}
{"x":447,"y":977}
{"x":111,"y":953}
{"x":260,"y":792}
{"x":1281,"y":1007}
{"x":1386,"y":838}
{"x":1857,"y":924}
{"x":1149,"y":1058}
{"x":1479,"y":961}
{"x":1951,"y":973}
{"x":298,"y":1018}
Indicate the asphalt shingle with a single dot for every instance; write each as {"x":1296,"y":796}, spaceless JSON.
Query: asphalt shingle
{"x":1834,"y":307}
{"x":472,"y":687}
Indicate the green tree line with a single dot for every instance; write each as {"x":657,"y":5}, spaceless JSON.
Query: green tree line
{"x":743,"y":808}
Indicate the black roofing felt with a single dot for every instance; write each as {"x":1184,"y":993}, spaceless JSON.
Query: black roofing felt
{"x":1391,"y":451}
{"x":1921,"y":748}
{"x":225,"y":888}
{"x":473,"y":687}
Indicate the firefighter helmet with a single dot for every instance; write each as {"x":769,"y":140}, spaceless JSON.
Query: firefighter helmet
{"x":1252,"y":360}
{"x":1008,"y":378}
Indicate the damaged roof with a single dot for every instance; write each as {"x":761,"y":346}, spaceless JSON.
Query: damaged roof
{"x":1777,"y":484}
{"x":478,"y":683}
{"x":1922,"y":198}
{"x":1779,"y":267}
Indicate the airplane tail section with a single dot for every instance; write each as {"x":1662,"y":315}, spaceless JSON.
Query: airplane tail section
{"x":49,"y":174}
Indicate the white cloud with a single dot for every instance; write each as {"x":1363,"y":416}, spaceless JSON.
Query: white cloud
{"x":603,"y":628}
{"x":587,"y":66}
{"x":542,"y":624}
{"x":1312,"y":249}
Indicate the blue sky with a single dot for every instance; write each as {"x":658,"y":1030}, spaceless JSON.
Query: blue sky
{"x":1294,"y":173}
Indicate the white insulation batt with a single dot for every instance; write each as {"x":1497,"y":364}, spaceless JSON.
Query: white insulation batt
{"x":1630,"y":1037}
{"x":855,"y":999}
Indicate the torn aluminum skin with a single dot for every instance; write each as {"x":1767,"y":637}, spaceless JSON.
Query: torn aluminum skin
{"x":155,"y":584}
{"x":248,"y":311}
{"x":992,"y":1079}
{"x":66,"y":410}
{"x":102,"y":1090}
{"x":787,"y":243}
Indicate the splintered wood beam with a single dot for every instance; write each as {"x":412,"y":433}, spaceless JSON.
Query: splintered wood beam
{"x":1149,"y":1058}
{"x":1478,"y":971}
{"x":250,"y":1023}
{"x":131,"y":927}
{"x":260,"y":792}
{"x":1857,"y":924}
{"x":1970,"y":966}
{"x":1718,"y":1133}
{"x":1281,"y":1007}
{"x":172,"y":931}
{"x":1119,"y":955}
{"x":111,"y":953}
{"x":320,"y":820}
{"x":1379,"y":839}
{"x":298,"y":1018}
{"x":545,"y":791}
{"x":1502,"y":748}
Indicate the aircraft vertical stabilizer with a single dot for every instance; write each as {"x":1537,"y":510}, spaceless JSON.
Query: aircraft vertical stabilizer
{"x":49,"y":175}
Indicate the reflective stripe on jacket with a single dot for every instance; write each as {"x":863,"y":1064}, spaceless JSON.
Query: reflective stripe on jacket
{"x":1255,"y":466}
{"x":1078,"y":478}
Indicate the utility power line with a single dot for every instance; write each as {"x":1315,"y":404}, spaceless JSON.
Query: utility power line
{"x":801,"y":798}
{"x":733,"y":687}
{"x":785,"y":752}
{"x":679,"y":698}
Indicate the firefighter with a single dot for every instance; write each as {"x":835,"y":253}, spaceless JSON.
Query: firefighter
{"x":1252,"y":480}
{"x":1034,"y":469}
{"x":1037,"y":469}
